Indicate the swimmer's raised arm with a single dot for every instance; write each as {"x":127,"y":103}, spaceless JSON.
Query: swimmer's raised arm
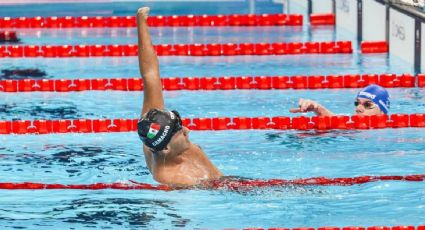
{"x":306,"y":105}
{"x":148,"y":64}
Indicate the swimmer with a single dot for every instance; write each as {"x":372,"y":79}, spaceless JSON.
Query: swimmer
{"x":372,"y":100}
{"x":170,"y":156}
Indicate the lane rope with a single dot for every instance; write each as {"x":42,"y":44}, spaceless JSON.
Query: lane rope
{"x":341,"y":122}
{"x":217,"y":83}
{"x":162,"y":21}
{"x":215,"y":49}
{"x":228,"y":184}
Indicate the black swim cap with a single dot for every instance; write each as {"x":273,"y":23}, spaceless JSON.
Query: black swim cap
{"x":157,"y":128}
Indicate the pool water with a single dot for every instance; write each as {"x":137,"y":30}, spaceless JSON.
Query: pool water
{"x":265,"y":154}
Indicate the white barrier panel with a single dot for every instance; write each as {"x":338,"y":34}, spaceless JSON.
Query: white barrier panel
{"x":402,"y":32}
{"x":374,"y":21}
{"x":346,"y":15}
{"x":422,"y":47}
{"x":322,"y":6}
{"x":298,"y":7}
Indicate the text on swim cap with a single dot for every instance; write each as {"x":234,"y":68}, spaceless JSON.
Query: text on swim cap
{"x":368,"y":95}
{"x":162,"y":137}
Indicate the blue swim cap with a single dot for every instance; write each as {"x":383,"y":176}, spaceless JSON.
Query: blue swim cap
{"x":378,"y":95}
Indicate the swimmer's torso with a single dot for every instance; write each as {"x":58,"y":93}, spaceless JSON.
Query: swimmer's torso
{"x":189,"y":168}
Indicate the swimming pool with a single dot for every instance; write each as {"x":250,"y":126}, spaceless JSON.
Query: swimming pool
{"x":265,"y":154}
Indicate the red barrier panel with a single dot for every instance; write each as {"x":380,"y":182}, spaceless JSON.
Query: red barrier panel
{"x":379,"y":121}
{"x":388,"y":80}
{"x":301,"y":123}
{"x":63,"y":126}
{"x":171,"y":83}
{"x":197,"y":50}
{"x":20,"y":126}
{"x":67,"y":22}
{"x":226,"y":83}
{"x":213,"y":49}
{"x":311,"y":47}
{"x":64,"y":85}
{"x":407,"y":80}
{"x":83,"y":125}
{"x":202,"y":123}
{"x":220,"y":123}
{"x":295,"y":48}
{"x":299,"y":82}
{"x":15,"y":51}
{"x":115,"y":50}
{"x":164,"y":50}
{"x":231,"y":49}
{"x":321,"y":123}
{"x":260,"y":122}
{"x":245,"y":83}
{"x":340,"y":122}
{"x":43,"y":126}
{"x":99,"y":84}
{"x":279,"y":48}
{"x":208,"y":83}
{"x":322,"y":19}
{"x":181,"y":49}
{"x":400,"y":120}
{"x":119,"y":84}
{"x":49,"y":51}
{"x":64,"y":51}
{"x":5,"y":127}
{"x":101,"y":125}
{"x":242,"y":123}
{"x":9,"y":85}
{"x":352,"y":81}
{"x":315,"y":82}
{"x":263,"y":82}
{"x":22,"y":22}
{"x":191,"y":83}
{"x":97,"y":50}
{"x":421,"y":80}
{"x":361,"y":122}
{"x":130,"y":50}
{"x":280,"y":82}
{"x":374,"y":47}
{"x":262,"y":49}
{"x":32,"y":51}
{"x":281,"y":123}
{"x":26,"y":85}
{"x":417,"y":120}
{"x":135,"y":84}
{"x":334,"y":81}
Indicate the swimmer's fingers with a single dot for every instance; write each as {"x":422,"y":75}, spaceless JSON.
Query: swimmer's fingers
{"x":143,"y":11}
{"x":295,"y":110}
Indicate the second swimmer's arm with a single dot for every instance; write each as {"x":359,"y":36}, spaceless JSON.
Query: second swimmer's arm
{"x":305,"y":105}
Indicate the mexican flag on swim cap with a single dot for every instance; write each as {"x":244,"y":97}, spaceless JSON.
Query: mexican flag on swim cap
{"x":156,"y":127}
{"x":153,"y":130}
{"x":378,"y":95}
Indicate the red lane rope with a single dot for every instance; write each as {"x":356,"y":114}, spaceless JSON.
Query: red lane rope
{"x":230,"y":184}
{"x":158,"y":21}
{"x":228,"y":49}
{"x":219,"y":123}
{"x":217,"y":83}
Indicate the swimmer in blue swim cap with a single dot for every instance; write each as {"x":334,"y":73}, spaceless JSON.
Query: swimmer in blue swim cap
{"x":372,"y":100}
{"x":170,"y":156}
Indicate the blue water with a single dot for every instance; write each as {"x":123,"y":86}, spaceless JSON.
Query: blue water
{"x":117,"y":157}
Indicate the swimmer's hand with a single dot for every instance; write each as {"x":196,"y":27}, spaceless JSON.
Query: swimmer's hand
{"x":143,"y":12}
{"x":306,"y":105}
